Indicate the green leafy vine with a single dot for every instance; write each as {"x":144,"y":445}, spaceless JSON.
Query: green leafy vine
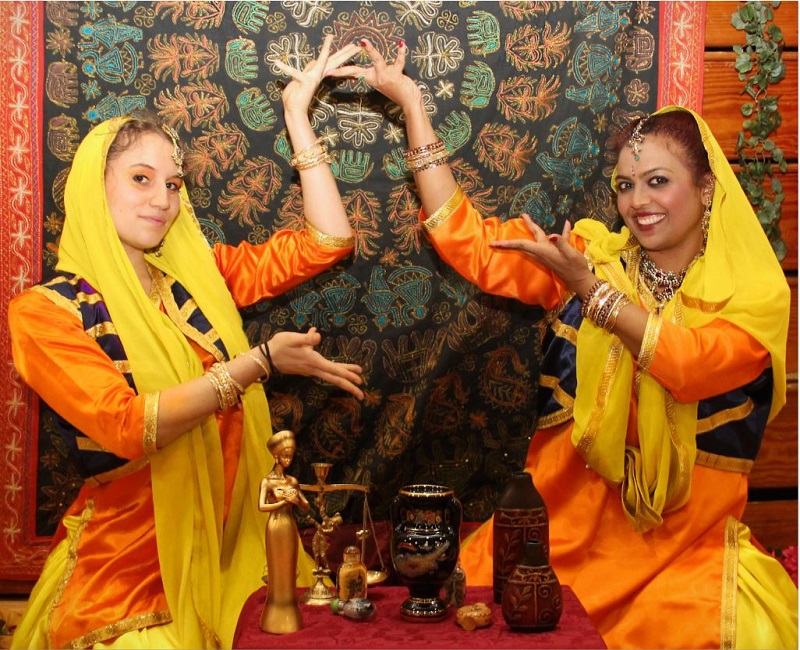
{"x":759,"y":64}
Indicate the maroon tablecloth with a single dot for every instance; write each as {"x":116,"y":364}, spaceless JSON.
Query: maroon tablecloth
{"x":389,"y":629}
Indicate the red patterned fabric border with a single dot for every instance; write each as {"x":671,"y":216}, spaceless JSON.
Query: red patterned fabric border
{"x":21,"y":87}
{"x":680,"y":59}
{"x":21,"y":192}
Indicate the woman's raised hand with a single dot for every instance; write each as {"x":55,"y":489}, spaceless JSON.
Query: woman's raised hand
{"x":293,"y":353}
{"x":386,"y":78}
{"x":299,"y":92}
{"x":555,"y":252}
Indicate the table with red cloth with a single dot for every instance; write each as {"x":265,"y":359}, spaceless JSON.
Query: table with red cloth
{"x":388,"y":628}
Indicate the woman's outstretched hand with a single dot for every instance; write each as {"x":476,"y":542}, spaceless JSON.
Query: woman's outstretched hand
{"x":298,"y":93}
{"x":293,"y":353}
{"x":555,"y":252}
{"x":386,"y":78}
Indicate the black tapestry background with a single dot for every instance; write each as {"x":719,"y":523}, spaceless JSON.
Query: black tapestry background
{"x":524,"y":94}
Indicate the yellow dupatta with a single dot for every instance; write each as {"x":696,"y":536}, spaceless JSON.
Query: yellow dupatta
{"x":738,"y":279}
{"x":207,"y":574}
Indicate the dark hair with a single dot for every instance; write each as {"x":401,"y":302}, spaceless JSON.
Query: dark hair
{"x":142,"y":121}
{"x":678,"y":126}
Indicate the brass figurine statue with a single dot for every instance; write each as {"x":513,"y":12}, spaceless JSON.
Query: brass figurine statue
{"x":320,"y":592}
{"x":278,"y":493}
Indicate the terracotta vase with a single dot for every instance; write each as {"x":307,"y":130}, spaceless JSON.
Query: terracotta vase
{"x":520,"y":516}
{"x":426,"y":523}
{"x":532,"y":598}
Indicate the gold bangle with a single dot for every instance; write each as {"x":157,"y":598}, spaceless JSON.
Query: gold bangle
{"x":611,"y":322}
{"x":432,"y":147}
{"x":589,"y":295}
{"x":217,"y":389}
{"x":313,"y":162}
{"x":260,"y":363}
{"x":426,"y":161}
{"x":314,"y":154}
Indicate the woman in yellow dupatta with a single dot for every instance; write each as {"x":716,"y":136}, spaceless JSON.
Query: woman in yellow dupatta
{"x":664,"y":361}
{"x":138,"y":346}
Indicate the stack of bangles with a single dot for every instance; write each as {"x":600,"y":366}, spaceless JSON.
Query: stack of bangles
{"x":426,"y":156}
{"x":313,"y":155}
{"x":227,"y":388}
{"x":602,"y":305}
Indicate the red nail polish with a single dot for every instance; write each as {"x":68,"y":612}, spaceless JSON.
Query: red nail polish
{"x":363,"y":42}
{"x":401,"y":43}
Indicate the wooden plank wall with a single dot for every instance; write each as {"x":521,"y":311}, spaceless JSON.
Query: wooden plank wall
{"x":772,"y":511}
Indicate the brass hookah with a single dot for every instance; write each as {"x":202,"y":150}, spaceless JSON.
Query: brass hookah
{"x":320,"y":593}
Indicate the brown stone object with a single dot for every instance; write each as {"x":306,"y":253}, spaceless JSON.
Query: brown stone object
{"x":474,"y":616}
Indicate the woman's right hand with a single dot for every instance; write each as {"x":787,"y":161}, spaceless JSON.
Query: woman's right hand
{"x":387,"y":78}
{"x":299,"y":93}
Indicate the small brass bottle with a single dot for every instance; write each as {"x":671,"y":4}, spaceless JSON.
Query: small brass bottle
{"x":351,"y":578}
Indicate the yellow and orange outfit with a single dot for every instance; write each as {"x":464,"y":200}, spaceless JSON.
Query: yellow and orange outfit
{"x":161,"y":547}
{"x":643,"y":462}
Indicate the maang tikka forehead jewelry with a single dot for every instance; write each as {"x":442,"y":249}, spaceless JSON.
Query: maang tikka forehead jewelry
{"x":177,"y":151}
{"x":636,"y":139}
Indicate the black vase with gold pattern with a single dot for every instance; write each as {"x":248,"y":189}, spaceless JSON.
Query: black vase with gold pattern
{"x":520,"y":516}
{"x":426,"y":526}
{"x":532,"y":597}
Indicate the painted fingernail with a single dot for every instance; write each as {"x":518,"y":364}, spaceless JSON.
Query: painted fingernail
{"x":552,"y":238}
{"x":363,"y":42}
{"x":401,"y":43}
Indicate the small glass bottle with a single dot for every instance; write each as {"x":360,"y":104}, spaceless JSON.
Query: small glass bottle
{"x":351,"y":578}
{"x":359,"y":609}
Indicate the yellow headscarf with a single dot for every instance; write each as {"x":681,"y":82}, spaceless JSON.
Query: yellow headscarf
{"x":738,"y":279}
{"x":207,"y":575}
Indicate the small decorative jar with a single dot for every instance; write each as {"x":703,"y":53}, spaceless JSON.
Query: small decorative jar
{"x":520,"y":516}
{"x":351,"y":578}
{"x":532,"y":598}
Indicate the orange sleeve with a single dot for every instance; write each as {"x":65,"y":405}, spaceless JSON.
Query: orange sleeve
{"x":696,"y":363}
{"x":263,"y":271}
{"x":461,"y":237}
{"x":70,"y":371}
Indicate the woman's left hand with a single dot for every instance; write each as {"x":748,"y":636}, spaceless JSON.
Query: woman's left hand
{"x":299,"y":92}
{"x":556,"y":253}
{"x":293,"y":353}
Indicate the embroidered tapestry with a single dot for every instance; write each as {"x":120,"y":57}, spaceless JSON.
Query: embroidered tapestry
{"x":525,"y":96}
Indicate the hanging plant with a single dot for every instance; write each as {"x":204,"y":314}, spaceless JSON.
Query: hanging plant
{"x":759,"y":64}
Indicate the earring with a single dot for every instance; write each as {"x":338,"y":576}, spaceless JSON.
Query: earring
{"x":704,"y":223}
{"x":157,"y":251}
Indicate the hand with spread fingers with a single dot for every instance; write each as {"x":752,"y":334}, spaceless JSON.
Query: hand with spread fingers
{"x":299,"y":92}
{"x":553,"y":251}
{"x":387,"y":78}
{"x":294,"y":353}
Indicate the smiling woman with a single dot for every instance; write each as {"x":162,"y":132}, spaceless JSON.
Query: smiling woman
{"x":665,"y":359}
{"x":139,"y":349}
{"x":143,"y":178}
